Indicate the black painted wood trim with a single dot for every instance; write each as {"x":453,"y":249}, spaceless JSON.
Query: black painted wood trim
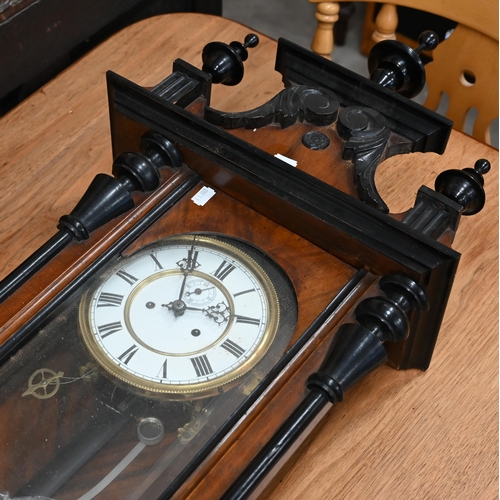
{"x":428,"y":131}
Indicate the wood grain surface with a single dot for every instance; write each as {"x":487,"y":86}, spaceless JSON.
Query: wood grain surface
{"x":409,"y":435}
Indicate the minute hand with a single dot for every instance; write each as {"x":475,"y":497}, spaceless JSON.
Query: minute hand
{"x":181,"y":293}
{"x":189,"y":264}
{"x":187,"y":267}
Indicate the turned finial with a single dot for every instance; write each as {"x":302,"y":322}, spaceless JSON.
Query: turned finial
{"x":358,"y":347}
{"x":398,"y":67}
{"x":465,"y":187}
{"x":225,"y":62}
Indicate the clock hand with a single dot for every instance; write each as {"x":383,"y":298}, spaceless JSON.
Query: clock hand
{"x":188,"y":266}
{"x":183,"y":285}
{"x":198,"y":291}
{"x":219,"y":313}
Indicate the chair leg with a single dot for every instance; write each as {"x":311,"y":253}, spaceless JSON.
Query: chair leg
{"x":327,"y":13}
{"x":386,"y":23}
{"x":347,"y":10}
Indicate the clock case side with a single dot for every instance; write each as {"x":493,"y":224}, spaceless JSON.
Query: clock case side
{"x":334,"y":221}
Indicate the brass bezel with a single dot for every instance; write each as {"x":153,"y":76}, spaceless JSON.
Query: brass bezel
{"x":199,"y":389}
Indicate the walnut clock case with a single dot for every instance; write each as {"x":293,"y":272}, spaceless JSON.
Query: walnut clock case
{"x":200,"y":310}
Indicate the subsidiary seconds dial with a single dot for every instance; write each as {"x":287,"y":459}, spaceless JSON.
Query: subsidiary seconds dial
{"x":184,"y":316}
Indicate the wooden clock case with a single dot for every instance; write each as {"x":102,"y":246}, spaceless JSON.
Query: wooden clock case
{"x":323,"y":223}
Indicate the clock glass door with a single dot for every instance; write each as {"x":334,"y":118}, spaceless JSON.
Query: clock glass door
{"x":157,"y":357}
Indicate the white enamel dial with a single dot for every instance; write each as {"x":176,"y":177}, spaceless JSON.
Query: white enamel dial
{"x":185,"y":316}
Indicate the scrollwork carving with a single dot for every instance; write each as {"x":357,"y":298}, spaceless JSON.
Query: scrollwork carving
{"x":367,"y":133}
{"x":301,"y":103}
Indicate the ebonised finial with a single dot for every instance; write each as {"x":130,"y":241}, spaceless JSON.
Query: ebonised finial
{"x":398,"y":67}
{"x":358,"y":348}
{"x":225,"y":62}
{"x":465,"y":187}
{"x":107,"y":197}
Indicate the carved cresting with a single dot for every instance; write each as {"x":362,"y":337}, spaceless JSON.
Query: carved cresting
{"x":372,"y":123}
{"x":365,"y":131}
{"x":302,"y":103}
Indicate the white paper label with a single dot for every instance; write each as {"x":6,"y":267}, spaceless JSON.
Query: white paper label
{"x":203,"y":195}
{"x":290,"y":161}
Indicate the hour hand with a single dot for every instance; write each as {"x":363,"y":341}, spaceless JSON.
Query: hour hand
{"x":219,"y":313}
{"x":179,"y":307}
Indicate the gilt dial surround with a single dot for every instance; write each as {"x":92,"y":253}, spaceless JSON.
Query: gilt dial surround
{"x":186,"y":315}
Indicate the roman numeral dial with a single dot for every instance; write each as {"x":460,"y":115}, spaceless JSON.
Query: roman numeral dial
{"x":186,"y":315}
{"x":109,"y":328}
{"x":201,"y":365}
{"x":107,"y":299}
{"x":223,"y":271}
{"x":127,"y":277}
{"x":128,"y":354}
{"x":233,"y":348}
{"x":248,"y":321}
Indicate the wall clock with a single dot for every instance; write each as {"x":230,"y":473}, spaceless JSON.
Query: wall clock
{"x":322,"y":261}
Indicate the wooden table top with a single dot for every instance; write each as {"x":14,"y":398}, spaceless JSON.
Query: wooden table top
{"x":412,"y":435}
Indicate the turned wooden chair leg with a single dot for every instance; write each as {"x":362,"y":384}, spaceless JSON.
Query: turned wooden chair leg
{"x":327,"y":13}
{"x":386,"y":23}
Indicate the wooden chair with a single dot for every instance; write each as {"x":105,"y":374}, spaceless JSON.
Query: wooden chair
{"x":464,"y":66}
